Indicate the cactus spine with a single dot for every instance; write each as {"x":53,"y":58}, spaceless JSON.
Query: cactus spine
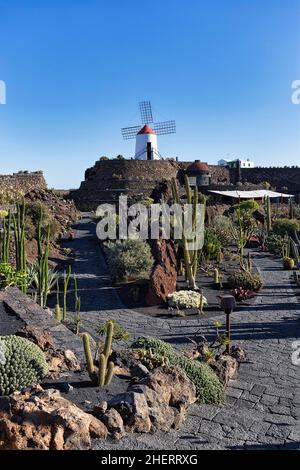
{"x":106,"y":368}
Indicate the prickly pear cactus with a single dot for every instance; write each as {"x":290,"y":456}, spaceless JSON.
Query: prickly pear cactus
{"x":22,"y":363}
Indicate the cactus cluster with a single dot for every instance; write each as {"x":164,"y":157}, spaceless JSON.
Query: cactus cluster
{"x":190,"y":246}
{"x":101,"y":376}
{"x":19,"y":230}
{"x":209,"y":388}
{"x":22,"y":363}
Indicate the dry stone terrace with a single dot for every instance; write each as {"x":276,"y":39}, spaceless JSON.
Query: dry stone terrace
{"x":262,"y":409}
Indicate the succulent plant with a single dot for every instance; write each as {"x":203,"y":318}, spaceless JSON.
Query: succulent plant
{"x":22,"y":363}
{"x":209,"y":388}
{"x":101,"y":376}
{"x":187,"y":299}
{"x":246,"y":280}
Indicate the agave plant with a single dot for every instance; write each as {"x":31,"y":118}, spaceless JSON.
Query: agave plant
{"x":34,"y":276}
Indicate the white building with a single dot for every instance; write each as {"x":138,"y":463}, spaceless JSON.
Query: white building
{"x":234,"y":163}
{"x":146,"y":144}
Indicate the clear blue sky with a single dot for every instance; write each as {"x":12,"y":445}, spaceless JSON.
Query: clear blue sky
{"x":76,"y":69}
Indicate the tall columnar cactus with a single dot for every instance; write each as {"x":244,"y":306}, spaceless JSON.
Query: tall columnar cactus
{"x":268,"y":215}
{"x":6,"y":236}
{"x":20,"y":240}
{"x":43,"y":262}
{"x":65,"y":292}
{"x":108,"y":339}
{"x":286,"y":246}
{"x":190,"y":249}
{"x":77,"y":307}
{"x":291,"y":208}
{"x":57,"y":306}
{"x":103,"y":376}
{"x":295,"y":252}
{"x":88,"y":356}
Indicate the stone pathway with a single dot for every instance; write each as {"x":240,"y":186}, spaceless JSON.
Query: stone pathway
{"x":262,"y":409}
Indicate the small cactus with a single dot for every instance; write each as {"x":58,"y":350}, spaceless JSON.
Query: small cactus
{"x":105,"y":371}
{"x":57,"y":306}
{"x":58,"y":312}
{"x":102,"y":369}
{"x":108,"y":339}
{"x":88,"y":355}
{"x":109,"y":373}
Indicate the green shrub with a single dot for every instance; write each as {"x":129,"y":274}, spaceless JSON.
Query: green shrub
{"x":22,"y":363}
{"x":247,"y":206}
{"x":222,"y":228}
{"x":119,"y":333}
{"x":286,"y":226}
{"x":246,"y":280}
{"x":212,"y":246}
{"x":34,"y":211}
{"x":274,"y":244}
{"x":9,"y":277}
{"x":129,"y":258}
{"x":209,"y":388}
{"x":297,"y":211}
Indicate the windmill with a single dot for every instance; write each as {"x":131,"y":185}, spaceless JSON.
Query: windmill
{"x":146,"y":136}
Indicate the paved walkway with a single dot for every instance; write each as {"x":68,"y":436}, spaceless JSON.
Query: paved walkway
{"x":262,"y":409}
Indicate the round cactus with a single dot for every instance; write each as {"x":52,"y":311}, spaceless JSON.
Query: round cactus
{"x":22,"y":363}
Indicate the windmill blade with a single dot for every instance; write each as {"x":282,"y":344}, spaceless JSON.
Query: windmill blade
{"x":146,"y":112}
{"x":130,"y":132}
{"x":165,"y":127}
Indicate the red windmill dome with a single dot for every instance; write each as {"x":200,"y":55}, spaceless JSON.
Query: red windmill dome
{"x":197,"y":167}
{"x":146,"y":130}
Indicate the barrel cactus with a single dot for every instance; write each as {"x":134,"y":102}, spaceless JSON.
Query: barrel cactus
{"x":22,"y":363}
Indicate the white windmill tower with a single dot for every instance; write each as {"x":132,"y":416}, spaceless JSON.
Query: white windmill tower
{"x":146,"y":137}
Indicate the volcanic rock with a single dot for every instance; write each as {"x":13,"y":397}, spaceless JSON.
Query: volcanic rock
{"x":164,"y":275}
{"x":44,"y":420}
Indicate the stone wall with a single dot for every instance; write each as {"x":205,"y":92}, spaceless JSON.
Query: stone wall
{"x":108,"y":179}
{"x":20,"y":183}
{"x":279,"y":178}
